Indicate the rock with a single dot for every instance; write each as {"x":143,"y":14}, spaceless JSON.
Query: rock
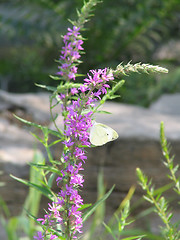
{"x":17,"y":145}
{"x":16,"y":151}
{"x":138,"y":122}
{"x":36,"y":105}
{"x":167,"y":104}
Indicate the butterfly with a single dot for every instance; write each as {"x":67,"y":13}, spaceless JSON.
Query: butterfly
{"x":100,"y":134}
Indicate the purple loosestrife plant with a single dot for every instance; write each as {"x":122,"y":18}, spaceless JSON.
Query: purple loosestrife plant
{"x":79,"y":102}
{"x":64,"y":210}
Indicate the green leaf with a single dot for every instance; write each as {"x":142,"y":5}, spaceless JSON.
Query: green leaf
{"x":30,"y":215}
{"x":50,"y":88}
{"x":68,"y":85}
{"x":45,"y":167}
{"x":84,"y":206}
{"x":163,"y":189}
{"x":4,"y":207}
{"x":11,"y":227}
{"x":38,"y":138}
{"x":44,"y":190}
{"x":53,"y":132}
{"x":109,"y":230}
{"x":55,"y":77}
{"x":93,"y":208}
{"x":148,"y":199}
{"x":102,"y":111}
{"x":55,"y":142}
{"x":114,"y":96}
{"x":58,"y":134}
{"x":139,"y":174}
{"x":28,"y":122}
{"x":51,"y":230}
{"x":51,"y":179}
{"x":134,"y":237}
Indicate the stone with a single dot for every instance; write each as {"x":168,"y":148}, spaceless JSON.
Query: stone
{"x":33,"y":104}
{"x":167,"y":104}
{"x":138,"y":122}
{"x":16,"y":151}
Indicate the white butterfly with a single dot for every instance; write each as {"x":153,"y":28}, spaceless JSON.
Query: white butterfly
{"x":100,"y":134}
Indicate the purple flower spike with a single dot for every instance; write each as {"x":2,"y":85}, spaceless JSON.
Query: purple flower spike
{"x":76,"y":105}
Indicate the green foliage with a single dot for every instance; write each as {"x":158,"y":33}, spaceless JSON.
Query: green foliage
{"x":170,"y":230}
{"x":149,"y":87}
{"x":169,"y":163}
{"x":21,"y":68}
{"x":90,"y":211}
{"x":131,"y":30}
{"x":115,"y":226}
{"x":22,"y":227}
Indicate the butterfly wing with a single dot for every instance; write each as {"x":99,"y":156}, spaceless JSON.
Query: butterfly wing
{"x":100,"y":134}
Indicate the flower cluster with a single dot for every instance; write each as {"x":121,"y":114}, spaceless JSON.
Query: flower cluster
{"x":77,"y":135}
{"x":70,"y":54}
{"x":64,"y":210}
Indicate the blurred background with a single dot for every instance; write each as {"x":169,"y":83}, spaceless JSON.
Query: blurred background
{"x":121,"y":31}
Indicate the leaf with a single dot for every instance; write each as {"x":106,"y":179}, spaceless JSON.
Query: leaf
{"x":109,"y":230}
{"x":55,"y":142}
{"x":45,"y":191}
{"x":102,"y":111}
{"x":4,"y":207}
{"x":68,"y":85}
{"x":55,"y":77}
{"x":111,"y":93}
{"x":28,"y":122}
{"x":114,"y":96}
{"x":84,"y":206}
{"x":53,"y":132}
{"x":93,"y":208}
{"x":45,"y":167}
{"x":160,"y":190}
{"x":51,"y":179}
{"x":134,"y":237}
{"x":38,"y":138}
{"x":50,"y":88}
{"x":58,"y":134}
{"x":147,"y":199}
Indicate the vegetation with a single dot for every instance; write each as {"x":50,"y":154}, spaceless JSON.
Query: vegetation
{"x":120,"y":31}
{"x":66,"y":211}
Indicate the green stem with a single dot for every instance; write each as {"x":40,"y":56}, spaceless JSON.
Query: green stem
{"x":160,"y":211}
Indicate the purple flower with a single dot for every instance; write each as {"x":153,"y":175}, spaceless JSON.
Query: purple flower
{"x":74,"y":91}
{"x":39,"y":236}
{"x":53,"y":237}
{"x":77,"y":180}
{"x":83,"y":88}
{"x":62,"y":96}
{"x":71,"y":75}
{"x":70,"y":53}
{"x":80,"y":154}
{"x":73,"y":31}
{"x":68,"y":143}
